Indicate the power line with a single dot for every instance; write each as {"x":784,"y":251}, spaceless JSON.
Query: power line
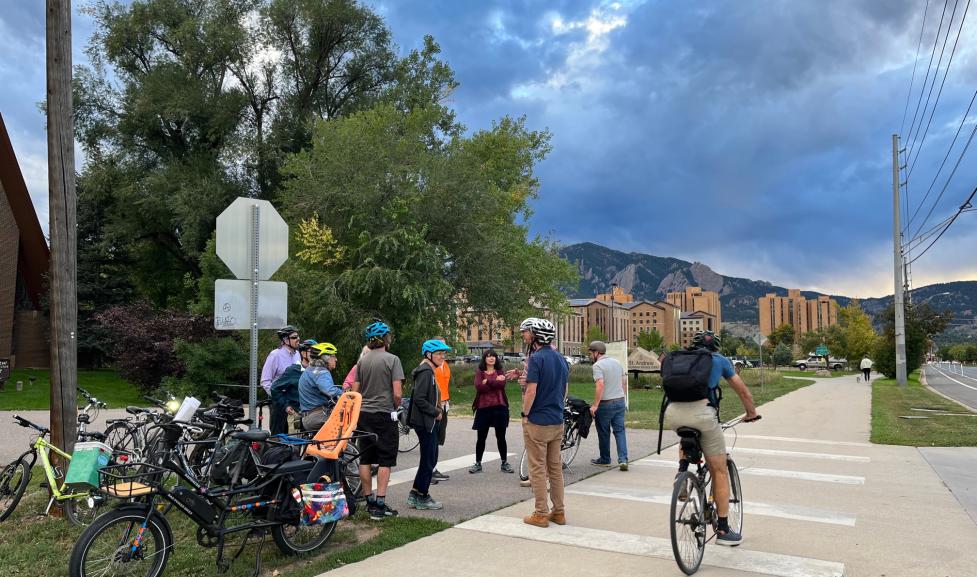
{"x":963,"y":207}
{"x":929,"y":66}
{"x":946,"y":37}
{"x":949,"y":178}
{"x":942,"y":82}
{"x":915,"y":62}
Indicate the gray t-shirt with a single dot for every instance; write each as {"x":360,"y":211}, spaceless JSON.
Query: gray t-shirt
{"x":611,"y":371}
{"x":376,"y":372}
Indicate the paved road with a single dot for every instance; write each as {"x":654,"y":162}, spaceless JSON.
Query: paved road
{"x":962,"y":388}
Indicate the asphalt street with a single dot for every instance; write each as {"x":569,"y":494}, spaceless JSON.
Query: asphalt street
{"x":962,"y":388}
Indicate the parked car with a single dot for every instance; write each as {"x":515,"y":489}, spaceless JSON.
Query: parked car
{"x":741,"y":362}
{"x":816,"y":362}
{"x":513,"y":357}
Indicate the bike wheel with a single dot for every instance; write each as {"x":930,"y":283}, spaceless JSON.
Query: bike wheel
{"x":569,"y":446}
{"x":350,"y":468}
{"x":688,"y":522}
{"x":524,"y":466}
{"x":122,"y":436}
{"x":294,"y":538}
{"x":108,"y":546}
{"x":13,"y":484}
{"x":408,"y":438}
{"x":82,"y":511}
{"x":735,"y":497}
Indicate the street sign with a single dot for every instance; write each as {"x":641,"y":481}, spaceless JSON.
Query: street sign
{"x":822,"y":351}
{"x":234,"y":238}
{"x":232,"y":304}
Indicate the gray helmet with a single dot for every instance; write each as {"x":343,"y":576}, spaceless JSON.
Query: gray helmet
{"x":286,"y":330}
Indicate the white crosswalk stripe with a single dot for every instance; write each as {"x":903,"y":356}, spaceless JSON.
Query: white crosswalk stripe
{"x":761,"y":472}
{"x":447,"y":466}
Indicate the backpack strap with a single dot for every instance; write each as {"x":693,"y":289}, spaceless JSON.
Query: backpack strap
{"x":661,"y":422}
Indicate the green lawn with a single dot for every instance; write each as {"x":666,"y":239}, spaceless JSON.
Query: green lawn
{"x":890,"y":402}
{"x":645,"y":403}
{"x":32,"y":545}
{"x":105,"y":384}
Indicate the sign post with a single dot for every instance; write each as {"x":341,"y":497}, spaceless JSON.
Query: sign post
{"x":252,"y":240}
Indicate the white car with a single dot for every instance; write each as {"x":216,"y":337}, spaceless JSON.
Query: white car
{"x":816,"y":362}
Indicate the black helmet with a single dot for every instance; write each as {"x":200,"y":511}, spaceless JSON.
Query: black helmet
{"x":706,"y":340}
{"x":286,"y":330}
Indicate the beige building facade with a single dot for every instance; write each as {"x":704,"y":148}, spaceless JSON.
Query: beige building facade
{"x":803,"y":314}
{"x":694,"y":299}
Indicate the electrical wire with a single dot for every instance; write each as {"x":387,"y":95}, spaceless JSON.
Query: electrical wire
{"x":949,"y":178}
{"x":929,"y":67}
{"x":949,"y":25}
{"x":915,"y":62}
{"x":966,"y":206}
{"x":942,"y":82}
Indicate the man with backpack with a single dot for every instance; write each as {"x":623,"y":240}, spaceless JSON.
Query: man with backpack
{"x":690,"y":380}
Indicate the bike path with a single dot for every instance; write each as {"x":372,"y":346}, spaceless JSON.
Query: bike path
{"x":820,"y":501}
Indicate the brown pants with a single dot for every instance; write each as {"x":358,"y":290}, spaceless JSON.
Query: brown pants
{"x":543,"y":453}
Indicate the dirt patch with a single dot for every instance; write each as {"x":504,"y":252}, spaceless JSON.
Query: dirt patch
{"x":352,"y":533}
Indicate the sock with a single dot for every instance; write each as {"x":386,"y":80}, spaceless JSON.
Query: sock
{"x":723,"y":524}
{"x":381,"y":499}
{"x":683,"y":465}
{"x":371,"y":499}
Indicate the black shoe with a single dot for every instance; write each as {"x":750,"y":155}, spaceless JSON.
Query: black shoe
{"x":380,"y":512}
{"x":439,"y":476}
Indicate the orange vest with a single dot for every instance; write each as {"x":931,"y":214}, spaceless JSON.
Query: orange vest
{"x":442,"y":375}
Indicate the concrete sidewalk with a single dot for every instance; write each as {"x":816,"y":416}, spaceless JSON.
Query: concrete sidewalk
{"x":820,"y":500}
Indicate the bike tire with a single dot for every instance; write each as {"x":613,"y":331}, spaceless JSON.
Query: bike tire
{"x":13,"y":484}
{"x":569,"y":447}
{"x":350,"y":468}
{"x":687,"y":522}
{"x":524,"y":466}
{"x":735,"y":497}
{"x":408,"y":438}
{"x":122,"y":436}
{"x":82,"y":511}
{"x":293,"y":538}
{"x":129,"y":521}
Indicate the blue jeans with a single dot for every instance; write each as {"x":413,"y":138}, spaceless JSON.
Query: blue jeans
{"x":429,"y":458}
{"x":610,"y":415}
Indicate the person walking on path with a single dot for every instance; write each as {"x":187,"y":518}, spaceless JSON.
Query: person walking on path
{"x":491,"y":407}
{"x":442,"y":375}
{"x":542,"y":421}
{"x":278,"y":360}
{"x":379,"y":376}
{"x":866,"y":366}
{"x":609,"y":407}
{"x":425,"y":416}
{"x":317,"y":389}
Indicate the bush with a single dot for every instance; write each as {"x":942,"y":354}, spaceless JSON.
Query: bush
{"x":213,"y":361}
{"x":143,"y":340}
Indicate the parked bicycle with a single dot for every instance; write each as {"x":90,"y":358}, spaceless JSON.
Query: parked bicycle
{"x":693,"y":510}
{"x":81,"y":505}
{"x":570,"y":443}
{"x":408,"y":440}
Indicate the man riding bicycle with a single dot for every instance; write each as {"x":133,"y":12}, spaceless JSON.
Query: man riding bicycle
{"x":704,"y":415}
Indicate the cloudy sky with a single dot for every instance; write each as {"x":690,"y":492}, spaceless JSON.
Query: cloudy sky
{"x":753,"y":136}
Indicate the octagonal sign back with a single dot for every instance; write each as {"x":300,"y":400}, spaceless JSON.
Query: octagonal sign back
{"x":234,"y":238}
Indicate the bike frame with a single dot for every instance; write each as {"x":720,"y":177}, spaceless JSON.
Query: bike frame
{"x":42,"y":448}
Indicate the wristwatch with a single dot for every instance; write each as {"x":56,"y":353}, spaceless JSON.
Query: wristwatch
{"x":523,"y":415}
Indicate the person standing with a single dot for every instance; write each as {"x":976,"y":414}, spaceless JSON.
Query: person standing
{"x":608,"y":407}
{"x":442,"y":375}
{"x":491,"y":408}
{"x":542,"y":421}
{"x":278,"y":360}
{"x":317,"y":389}
{"x":425,"y":416}
{"x":379,"y":376}
{"x":866,"y":366}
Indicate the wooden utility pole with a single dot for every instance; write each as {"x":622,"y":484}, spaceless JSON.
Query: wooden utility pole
{"x":897,"y":302}
{"x":62,"y":206}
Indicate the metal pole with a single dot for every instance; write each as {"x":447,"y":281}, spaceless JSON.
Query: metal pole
{"x":900,"y":320}
{"x":253,"y":380}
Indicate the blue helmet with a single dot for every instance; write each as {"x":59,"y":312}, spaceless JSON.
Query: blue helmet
{"x":433,"y":346}
{"x":376,"y":330}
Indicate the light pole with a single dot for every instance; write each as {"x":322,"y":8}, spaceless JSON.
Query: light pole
{"x":613,"y":320}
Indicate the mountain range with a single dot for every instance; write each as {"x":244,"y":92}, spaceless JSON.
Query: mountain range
{"x":651,"y":277}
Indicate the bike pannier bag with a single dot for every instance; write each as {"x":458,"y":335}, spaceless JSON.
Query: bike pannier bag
{"x":685,"y":375}
{"x":233,"y":464}
{"x":89,"y":457}
{"x":321,"y":502}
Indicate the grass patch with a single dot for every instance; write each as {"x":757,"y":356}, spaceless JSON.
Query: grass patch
{"x":645,"y":403}
{"x":890,"y":402}
{"x":105,"y":384}
{"x":32,"y":545}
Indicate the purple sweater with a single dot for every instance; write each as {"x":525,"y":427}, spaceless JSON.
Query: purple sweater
{"x":278,"y":360}
{"x":492,"y":393}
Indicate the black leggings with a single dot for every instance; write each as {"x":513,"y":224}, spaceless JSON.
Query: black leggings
{"x":480,"y":443}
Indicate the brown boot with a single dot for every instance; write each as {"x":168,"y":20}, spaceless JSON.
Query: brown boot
{"x":558,"y":518}
{"x":536,"y":519}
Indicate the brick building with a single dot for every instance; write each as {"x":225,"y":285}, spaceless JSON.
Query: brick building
{"x":803,"y":314}
{"x":24,"y":261}
{"x":694,"y":299}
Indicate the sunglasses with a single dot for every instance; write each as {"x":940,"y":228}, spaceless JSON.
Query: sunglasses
{"x":293,"y":338}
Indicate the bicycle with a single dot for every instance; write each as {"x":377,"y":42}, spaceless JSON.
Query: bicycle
{"x":408,"y":440}
{"x":80,"y":506}
{"x":569,"y":444}
{"x":692,"y":511}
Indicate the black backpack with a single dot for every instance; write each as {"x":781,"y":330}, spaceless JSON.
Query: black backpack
{"x":685,"y":375}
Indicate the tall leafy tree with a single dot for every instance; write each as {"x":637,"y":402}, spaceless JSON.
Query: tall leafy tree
{"x":922,"y":322}
{"x":651,"y":340}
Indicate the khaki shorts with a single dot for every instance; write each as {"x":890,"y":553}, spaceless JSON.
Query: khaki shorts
{"x":698,"y":415}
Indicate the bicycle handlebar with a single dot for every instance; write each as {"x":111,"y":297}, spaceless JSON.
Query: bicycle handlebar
{"x":25,"y":423}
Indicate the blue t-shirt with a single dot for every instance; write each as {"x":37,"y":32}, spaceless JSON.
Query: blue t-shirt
{"x":722,"y":368}
{"x":316,"y":388}
{"x":548,"y":369}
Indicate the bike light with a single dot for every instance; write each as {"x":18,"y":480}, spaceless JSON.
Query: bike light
{"x":172,"y":406}
{"x":255,"y":446}
{"x":123,"y":458}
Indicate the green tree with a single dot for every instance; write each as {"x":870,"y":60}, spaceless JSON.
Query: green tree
{"x":809,"y":342}
{"x":595,"y":334}
{"x":651,"y":340}
{"x":858,"y":338}
{"x":781,"y":355}
{"x":921,"y":322}
{"x":782,"y":334}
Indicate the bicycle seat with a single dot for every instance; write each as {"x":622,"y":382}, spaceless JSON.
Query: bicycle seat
{"x":83,"y":418}
{"x":688,"y":432}
{"x":294,"y":467}
{"x":95,"y":436}
{"x":254,"y":435}
{"x":135,"y":410}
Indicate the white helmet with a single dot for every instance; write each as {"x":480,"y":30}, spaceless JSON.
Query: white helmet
{"x":543,"y":330}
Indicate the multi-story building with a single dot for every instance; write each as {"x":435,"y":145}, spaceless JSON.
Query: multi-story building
{"x":794,"y":309}
{"x":694,"y":322}
{"x":660,"y":316}
{"x":24,"y":256}
{"x":694,"y":299}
